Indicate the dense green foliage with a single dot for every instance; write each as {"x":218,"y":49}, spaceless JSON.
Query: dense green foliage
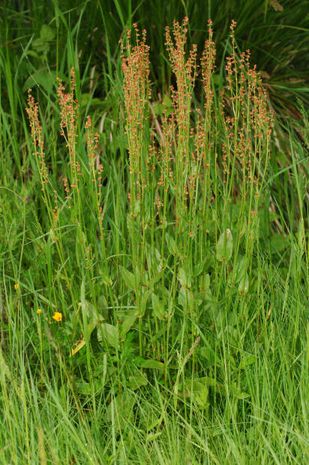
{"x":155,"y":257}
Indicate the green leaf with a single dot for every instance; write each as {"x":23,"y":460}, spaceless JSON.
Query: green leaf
{"x":153,"y":422}
{"x":109,"y":334}
{"x":157,"y":108}
{"x":137,"y":381}
{"x":240,"y":268}
{"x":246,"y":361}
{"x":83,"y":388}
{"x":186,"y":298}
{"x":197,"y":390}
{"x":47,"y":33}
{"x":158,"y":308}
{"x":42,"y":78}
{"x":237,"y":392}
{"x":86,"y":100}
{"x":198,"y":269}
{"x":184,"y":278}
{"x":278,"y":243}
{"x":143,"y":303}
{"x":129,"y":278}
{"x":106,"y":279}
{"x":127,"y":323}
{"x":90,"y":317}
{"x":208,"y":381}
{"x":171,"y":244}
{"x":153,"y":436}
{"x":167,"y":105}
{"x":32,"y":53}
{"x":224,"y":249}
{"x":87,"y":389}
{"x":243,"y":286}
{"x":209,"y":356}
{"x":41,"y":46}
{"x":205,"y":285}
{"x":103,"y":306}
{"x":150,"y":363}
{"x":121,"y":407}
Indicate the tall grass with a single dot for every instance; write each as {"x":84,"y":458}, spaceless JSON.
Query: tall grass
{"x":154,"y":270}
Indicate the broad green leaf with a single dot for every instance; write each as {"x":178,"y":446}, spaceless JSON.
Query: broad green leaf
{"x":211,"y":359}
{"x":109,"y":334}
{"x":129,"y":278}
{"x":33,"y":54}
{"x":186,"y":298}
{"x":198,"y":269}
{"x":86,"y":389}
{"x":150,"y":363}
{"x":90,"y":317}
{"x":154,"y":421}
{"x":127,"y":323}
{"x":137,"y":381}
{"x":153,"y":436}
{"x":197,"y":390}
{"x":200,"y":394}
{"x":47,"y":33}
{"x":103,"y":306}
{"x":158,"y":308}
{"x":205,"y":285}
{"x":86,"y":100}
{"x":246,"y":361}
{"x":121,"y":407}
{"x":279,"y":242}
{"x":136,"y":208}
{"x":243,"y":286}
{"x":167,"y":101}
{"x":224,"y":249}
{"x":240,"y":268}
{"x":171,"y":244}
{"x":43,"y":78}
{"x":143,"y":303}
{"x":106,"y":279}
{"x":41,"y":46}
{"x":157,"y":108}
{"x":83,"y":388}
{"x":237,"y":392}
{"x":184,"y":278}
{"x":208,"y":381}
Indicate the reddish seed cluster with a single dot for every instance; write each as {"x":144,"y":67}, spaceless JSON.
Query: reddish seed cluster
{"x":207,"y":66}
{"x":184,"y":67}
{"x":135,"y":67}
{"x":185,"y":71}
{"x":96,"y":167}
{"x":37,"y":136}
{"x":68,"y":124}
{"x":246,"y":118}
{"x":190,"y":141}
{"x":177,"y":162}
{"x":92,"y":139}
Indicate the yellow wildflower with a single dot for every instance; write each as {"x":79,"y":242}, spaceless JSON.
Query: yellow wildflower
{"x":16,"y":286}
{"x":57,"y":316}
{"x":39,"y":311}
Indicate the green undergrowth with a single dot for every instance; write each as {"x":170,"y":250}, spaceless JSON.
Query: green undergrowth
{"x":154,"y":263}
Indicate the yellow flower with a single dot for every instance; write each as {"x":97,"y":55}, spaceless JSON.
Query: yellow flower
{"x":16,"y":286}
{"x":57,"y":316}
{"x":39,"y":311}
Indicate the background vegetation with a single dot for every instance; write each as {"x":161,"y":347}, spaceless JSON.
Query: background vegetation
{"x":154,"y":256}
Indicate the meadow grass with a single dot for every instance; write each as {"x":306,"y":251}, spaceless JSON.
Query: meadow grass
{"x":154,"y":261}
